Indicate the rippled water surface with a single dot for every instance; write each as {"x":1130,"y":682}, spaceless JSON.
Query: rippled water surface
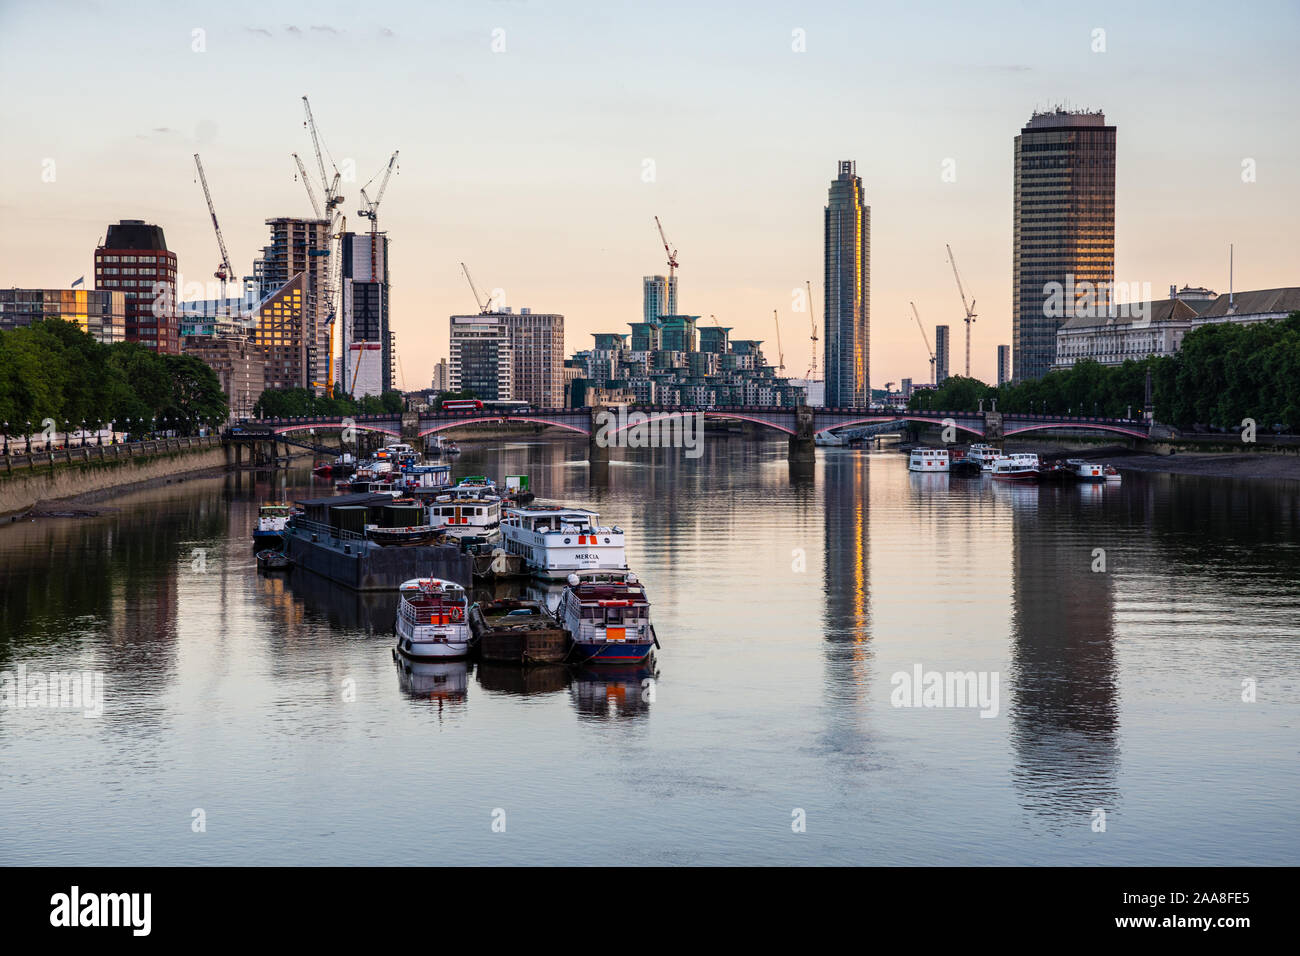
{"x":785,"y":603}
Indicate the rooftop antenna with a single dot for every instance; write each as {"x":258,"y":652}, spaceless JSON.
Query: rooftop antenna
{"x":1231,"y":301}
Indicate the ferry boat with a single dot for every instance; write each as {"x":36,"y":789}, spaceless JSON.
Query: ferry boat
{"x":608,"y":617}
{"x":272,"y":519}
{"x":1017,"y":467}
{"x":468,"y":514}
{"x":928,"y":459}
{"x":432,"y":619}
{"x":556,"y":541}
{"x":1085,"y":470}
{"x":983,"y":454}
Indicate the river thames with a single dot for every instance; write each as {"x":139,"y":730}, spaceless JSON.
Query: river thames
{"x":1141,"y":643}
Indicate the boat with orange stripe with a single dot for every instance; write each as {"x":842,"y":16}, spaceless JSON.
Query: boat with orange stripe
{"x":556,"y":540}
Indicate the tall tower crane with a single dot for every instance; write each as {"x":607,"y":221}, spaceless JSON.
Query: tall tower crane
{"x":926,"y":340}
{"x":812,"y":318}
{"x":331,"y":212}
{"x":371,"y":211}
{"x":482,"y":309}
{"x":225,"y":272}
{"x":969,"y":309}
{"x":780,"y":353}
{"x":672,"y":259}
{"x":311,"y":193}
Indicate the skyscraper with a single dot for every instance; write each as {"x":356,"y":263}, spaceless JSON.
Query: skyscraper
{"x":365,"y":365}
{"x":537,"y":343}
{"x":847,"y":306}
{"x":1004,"y":364}
{"x":942,"y":352}
{"x":134,"y":260}
{"x":302,"y":246}
{"x":1064,"y":221}
{"x":659,"y":297}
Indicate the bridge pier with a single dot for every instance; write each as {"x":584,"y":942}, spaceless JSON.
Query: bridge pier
{"x":597,"y":442}
{"x":802,"y":448}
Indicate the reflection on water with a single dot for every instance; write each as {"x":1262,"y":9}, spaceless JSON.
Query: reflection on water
{"x":785,"y":597}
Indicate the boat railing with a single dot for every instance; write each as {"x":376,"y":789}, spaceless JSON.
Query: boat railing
{"x":324,"y":530}
{"x":436,"y":615}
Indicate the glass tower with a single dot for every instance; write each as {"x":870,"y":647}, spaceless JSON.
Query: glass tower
{"x":847,"y":305}
{"x":1064,"y":221}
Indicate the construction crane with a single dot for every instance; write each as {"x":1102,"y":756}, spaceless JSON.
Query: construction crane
{"x":969,"y":309}
{"x":672,"y":257}
{"x":482,"y":309}
{"x":225,"y":272}
{"x":311,"y":193}
{"x":330,"y":211}
{"x":812,"y":369}
{"x":331,"y":186}
{"x":371,"y":212}
{"x":780,"y":354}
{"x":926,"y":340}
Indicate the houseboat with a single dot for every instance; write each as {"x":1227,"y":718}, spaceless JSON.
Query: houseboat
{"x":608,"y":618}
{"x":1017,"y":467}
{"x":425,"y":480}
{"x":983,"y":454}
{"x":468,"y":514}
{"x":556,"y":541}
{"x":928,"y":460}
{"x":272,"y":519}
{"x":1084,"y":470}
{"x":432,"y":619}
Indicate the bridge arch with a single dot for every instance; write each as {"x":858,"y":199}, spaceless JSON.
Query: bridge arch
{"x":873,"y":419}
{"x":360,"y":426}
{"x":1096,"y":426}
{"x":497,"y":419}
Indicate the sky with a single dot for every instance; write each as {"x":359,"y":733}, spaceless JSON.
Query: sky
{"x":540,"y":139}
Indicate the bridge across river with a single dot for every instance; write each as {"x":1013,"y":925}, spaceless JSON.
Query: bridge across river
{"x":602,"y":426}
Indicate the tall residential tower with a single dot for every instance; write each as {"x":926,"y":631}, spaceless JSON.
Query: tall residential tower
{"x":847,"y":306}
{"x":1064,"y":221}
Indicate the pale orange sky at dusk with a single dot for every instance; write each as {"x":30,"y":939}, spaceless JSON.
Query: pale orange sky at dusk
{"x":528,"y":163}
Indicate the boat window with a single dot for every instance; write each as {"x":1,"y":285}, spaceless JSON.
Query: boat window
{"x":591,"y":614}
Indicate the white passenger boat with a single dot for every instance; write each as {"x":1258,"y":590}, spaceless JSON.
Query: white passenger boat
{"x":984,"y":455}
{"x":467,"y":513}
{"x":1085,"y":470}
{"x":928,"y":460}
{"x":607,"y":615}
{"x":1017,"y":467}
{"x":432,"y":619}
{"x":556,"y":541}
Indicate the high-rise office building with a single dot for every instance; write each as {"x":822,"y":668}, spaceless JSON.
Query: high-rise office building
{"x":365,"y":357}
{"x":942,"y":353}
{"x":537,"y":343}
{"x":301,"y":246}
{"x":659,"y":298}
{"x":135,"y":261}
{"x":847,"y":305}
{"x":482,"y":361}
{"x":1004,"y":364}
{"x":1063,"y":254}
{"x":280,"y":328}
{"x":102,"y":314}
